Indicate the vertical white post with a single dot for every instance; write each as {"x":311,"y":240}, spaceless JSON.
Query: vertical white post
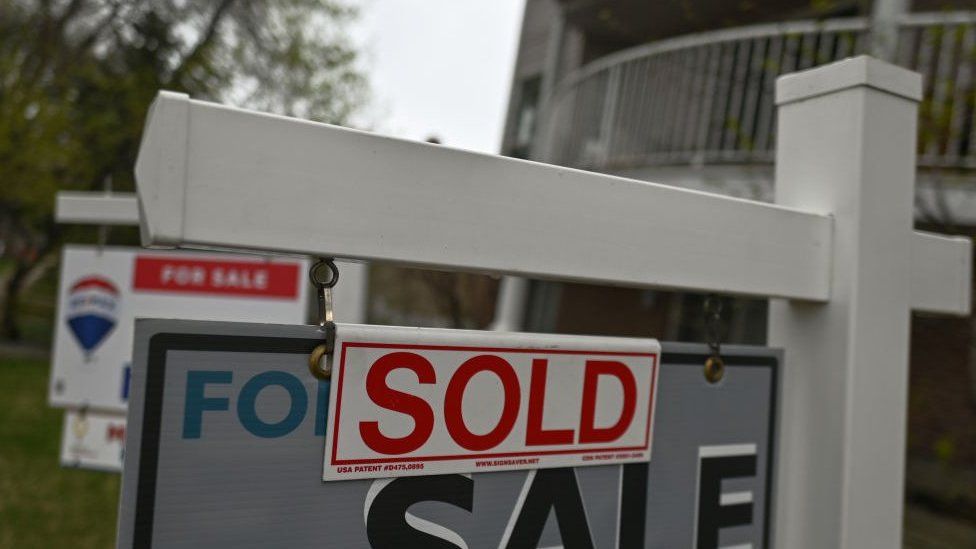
{"x":885,"y":21}
{"x":510,"y":305}
{"x":846,"y":146}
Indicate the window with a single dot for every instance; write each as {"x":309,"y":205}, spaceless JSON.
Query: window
{"x":526,"y":117}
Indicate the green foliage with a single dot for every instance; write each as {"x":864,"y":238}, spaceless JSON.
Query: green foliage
{"x":41,"y":504}
{"x":77,"y":78}
{"x":945,"y":449}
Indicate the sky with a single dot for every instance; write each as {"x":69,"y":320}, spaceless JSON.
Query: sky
{"x":439,"y":68}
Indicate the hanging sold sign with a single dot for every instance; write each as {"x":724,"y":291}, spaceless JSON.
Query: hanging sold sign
{"x":410,"y":401}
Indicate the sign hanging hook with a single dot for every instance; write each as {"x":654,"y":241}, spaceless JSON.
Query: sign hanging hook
{"x":324,"y":275}
{"x":714,"y":365}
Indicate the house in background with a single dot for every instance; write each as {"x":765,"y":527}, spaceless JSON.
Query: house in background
{"x":681,"y":93}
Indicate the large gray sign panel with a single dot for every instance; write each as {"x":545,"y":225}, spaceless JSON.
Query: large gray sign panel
{"x":226,"y":438}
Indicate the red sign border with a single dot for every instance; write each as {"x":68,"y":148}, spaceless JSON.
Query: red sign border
{"x":456,"y":457}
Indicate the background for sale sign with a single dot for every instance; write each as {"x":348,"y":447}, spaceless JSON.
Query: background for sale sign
{"x":102,"y":291}
{"x":93,"y":440}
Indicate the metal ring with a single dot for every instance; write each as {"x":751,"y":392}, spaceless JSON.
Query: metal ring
{"x":324,"y":273}
{"x":714,"y":369}
{"x":315,"y":365}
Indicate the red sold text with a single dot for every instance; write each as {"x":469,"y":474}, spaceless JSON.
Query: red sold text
{"x":535,"y":435}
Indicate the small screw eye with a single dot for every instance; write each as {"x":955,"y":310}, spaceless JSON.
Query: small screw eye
{"x":714,"y":369}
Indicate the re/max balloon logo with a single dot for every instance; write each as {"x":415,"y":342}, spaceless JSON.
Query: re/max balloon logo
{"x":92,"y":310}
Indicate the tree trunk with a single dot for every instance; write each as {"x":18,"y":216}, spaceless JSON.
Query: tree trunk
{"x":27,"y":271}
{"x":10,"y":327}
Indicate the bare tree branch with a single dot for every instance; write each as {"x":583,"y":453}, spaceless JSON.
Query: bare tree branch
{"x":206,"y":39}
{"x":69,"y":12}
{"x":96,"y":31}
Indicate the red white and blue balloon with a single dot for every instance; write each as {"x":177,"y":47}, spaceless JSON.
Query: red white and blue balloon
{"x":93,"y":303}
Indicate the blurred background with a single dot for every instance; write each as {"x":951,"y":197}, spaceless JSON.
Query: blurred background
{"x":676,"y":92}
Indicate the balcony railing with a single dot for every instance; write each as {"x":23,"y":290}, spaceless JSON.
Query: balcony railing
{"x":708,"y":98}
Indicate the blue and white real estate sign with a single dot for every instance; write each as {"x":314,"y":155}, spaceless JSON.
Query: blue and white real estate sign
{"x":227,"y":429}
{"x":102,"y":292}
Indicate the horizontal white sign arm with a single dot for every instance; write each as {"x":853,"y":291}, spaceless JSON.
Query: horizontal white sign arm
{"x":211,"y":176}
{"x":96,"y":208}
{"x":214,"y":176}
{"x":941,"y":273}
{"x":934,"y":288}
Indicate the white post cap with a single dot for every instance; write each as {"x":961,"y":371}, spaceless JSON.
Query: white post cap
{"x":849,"y":73}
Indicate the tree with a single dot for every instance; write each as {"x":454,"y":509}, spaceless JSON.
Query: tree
{"x":77,"y":77}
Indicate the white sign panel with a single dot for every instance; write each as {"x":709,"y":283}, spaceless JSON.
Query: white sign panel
{"x":103,"y":291}
{"x":93,"y":440}
{"x":415,"y":401}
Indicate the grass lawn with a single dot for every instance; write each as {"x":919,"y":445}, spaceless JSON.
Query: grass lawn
{"x":41,"y":504}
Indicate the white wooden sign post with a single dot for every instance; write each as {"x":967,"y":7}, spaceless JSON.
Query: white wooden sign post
{"x":96,"y":208}
{"x":837,"y":250}
{"x":846,"y":147}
